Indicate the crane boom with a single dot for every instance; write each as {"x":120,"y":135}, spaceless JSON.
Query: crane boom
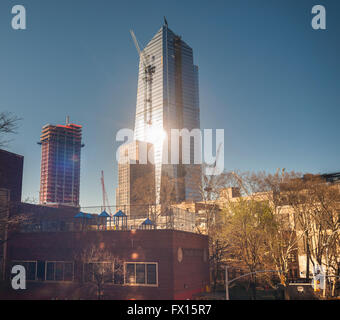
{"x":105,"y":197}
{"x":140,"y":53}
{"x":103,"y":190}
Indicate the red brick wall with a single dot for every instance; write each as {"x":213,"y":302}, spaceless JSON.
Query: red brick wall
{"x":150,"y":246}
{"x":11,"y":168}
{"x":194,"y":263}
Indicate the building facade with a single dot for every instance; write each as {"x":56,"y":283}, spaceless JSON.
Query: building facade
{"x":60,"y":164}
{"x":144,"y":264}
{"x":167,"y":98}
{"x":136,"y":179}
{"x":11,"y":170}
{"x":4,"y":213}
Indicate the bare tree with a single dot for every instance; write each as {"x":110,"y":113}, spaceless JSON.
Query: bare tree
{"x":8,"y":125}
{"x":169,"y":191}
{"x":143,"y":196}
{"x":245,"y":220}
{"x":10,"y":220}
{"x":100,"y":267}
{"x":270,"y":219}
{"x":210,"y":188}
{"x":31,"y":200}
{"x":208,"y":220}
{"x":315,"y":205}
{"x":279,"y":228}
{"x":12,"y":224}
{"x":305,"y":213}
{"x":263,"y":236}
{"x":219,"y":244}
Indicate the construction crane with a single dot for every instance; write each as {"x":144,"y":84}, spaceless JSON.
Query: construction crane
{"x":210,"y":180}
{"x":105,"y":197}
{"x":149,"y":70}
{"x":217,"y":157}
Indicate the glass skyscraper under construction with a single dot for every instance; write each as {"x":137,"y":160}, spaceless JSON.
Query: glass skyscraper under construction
{"x":167,"y":98}
{"x":60,"y":164}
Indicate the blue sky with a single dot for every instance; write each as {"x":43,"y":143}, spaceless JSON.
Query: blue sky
{"x":266,"y":77}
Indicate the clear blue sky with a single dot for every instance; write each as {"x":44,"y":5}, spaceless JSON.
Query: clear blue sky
{"x":266,"y":77}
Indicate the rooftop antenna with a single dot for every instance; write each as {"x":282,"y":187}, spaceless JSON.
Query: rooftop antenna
{"x":67,"y":120}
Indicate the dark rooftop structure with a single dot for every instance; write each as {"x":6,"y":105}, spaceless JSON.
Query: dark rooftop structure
{"x":332,"y":177}
{"x":11,"y":170}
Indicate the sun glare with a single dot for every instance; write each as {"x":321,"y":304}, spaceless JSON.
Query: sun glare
{"x":155,"y":134}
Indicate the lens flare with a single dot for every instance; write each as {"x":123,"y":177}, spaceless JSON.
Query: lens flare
{"x":155,"y":134}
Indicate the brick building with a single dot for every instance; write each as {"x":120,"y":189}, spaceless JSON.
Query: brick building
{"x":156,"y":264}
{"x":11,"y":169}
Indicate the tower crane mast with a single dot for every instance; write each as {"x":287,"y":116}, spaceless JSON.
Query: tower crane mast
{"x":149,"y":70}
{"x":105,"y":197}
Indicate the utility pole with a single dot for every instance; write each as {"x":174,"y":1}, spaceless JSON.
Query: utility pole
{"x":226,"y":283}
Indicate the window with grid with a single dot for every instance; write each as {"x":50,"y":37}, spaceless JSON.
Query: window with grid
{"x":141,"y":273}
{"x":58,"y":271}
{"x":99,"y":271}
{"x":30,"y":269}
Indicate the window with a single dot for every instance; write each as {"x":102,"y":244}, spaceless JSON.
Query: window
{"x":151,"y":273}
{"x":68,"y":271}
{"x":292,"y":257}
{"x":58,"y":271}
{"x":130,"y":273}
{"x":41,"y":271}
{"x":50,"y":271}
{"x":141,"y":273}
{"x":118,"y":273}
{"x":99,"y":271}
{"x":30,"y":268}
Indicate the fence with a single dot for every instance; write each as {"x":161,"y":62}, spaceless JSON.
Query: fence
{"x":114,"y":218}
{"x":145,"y":217}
